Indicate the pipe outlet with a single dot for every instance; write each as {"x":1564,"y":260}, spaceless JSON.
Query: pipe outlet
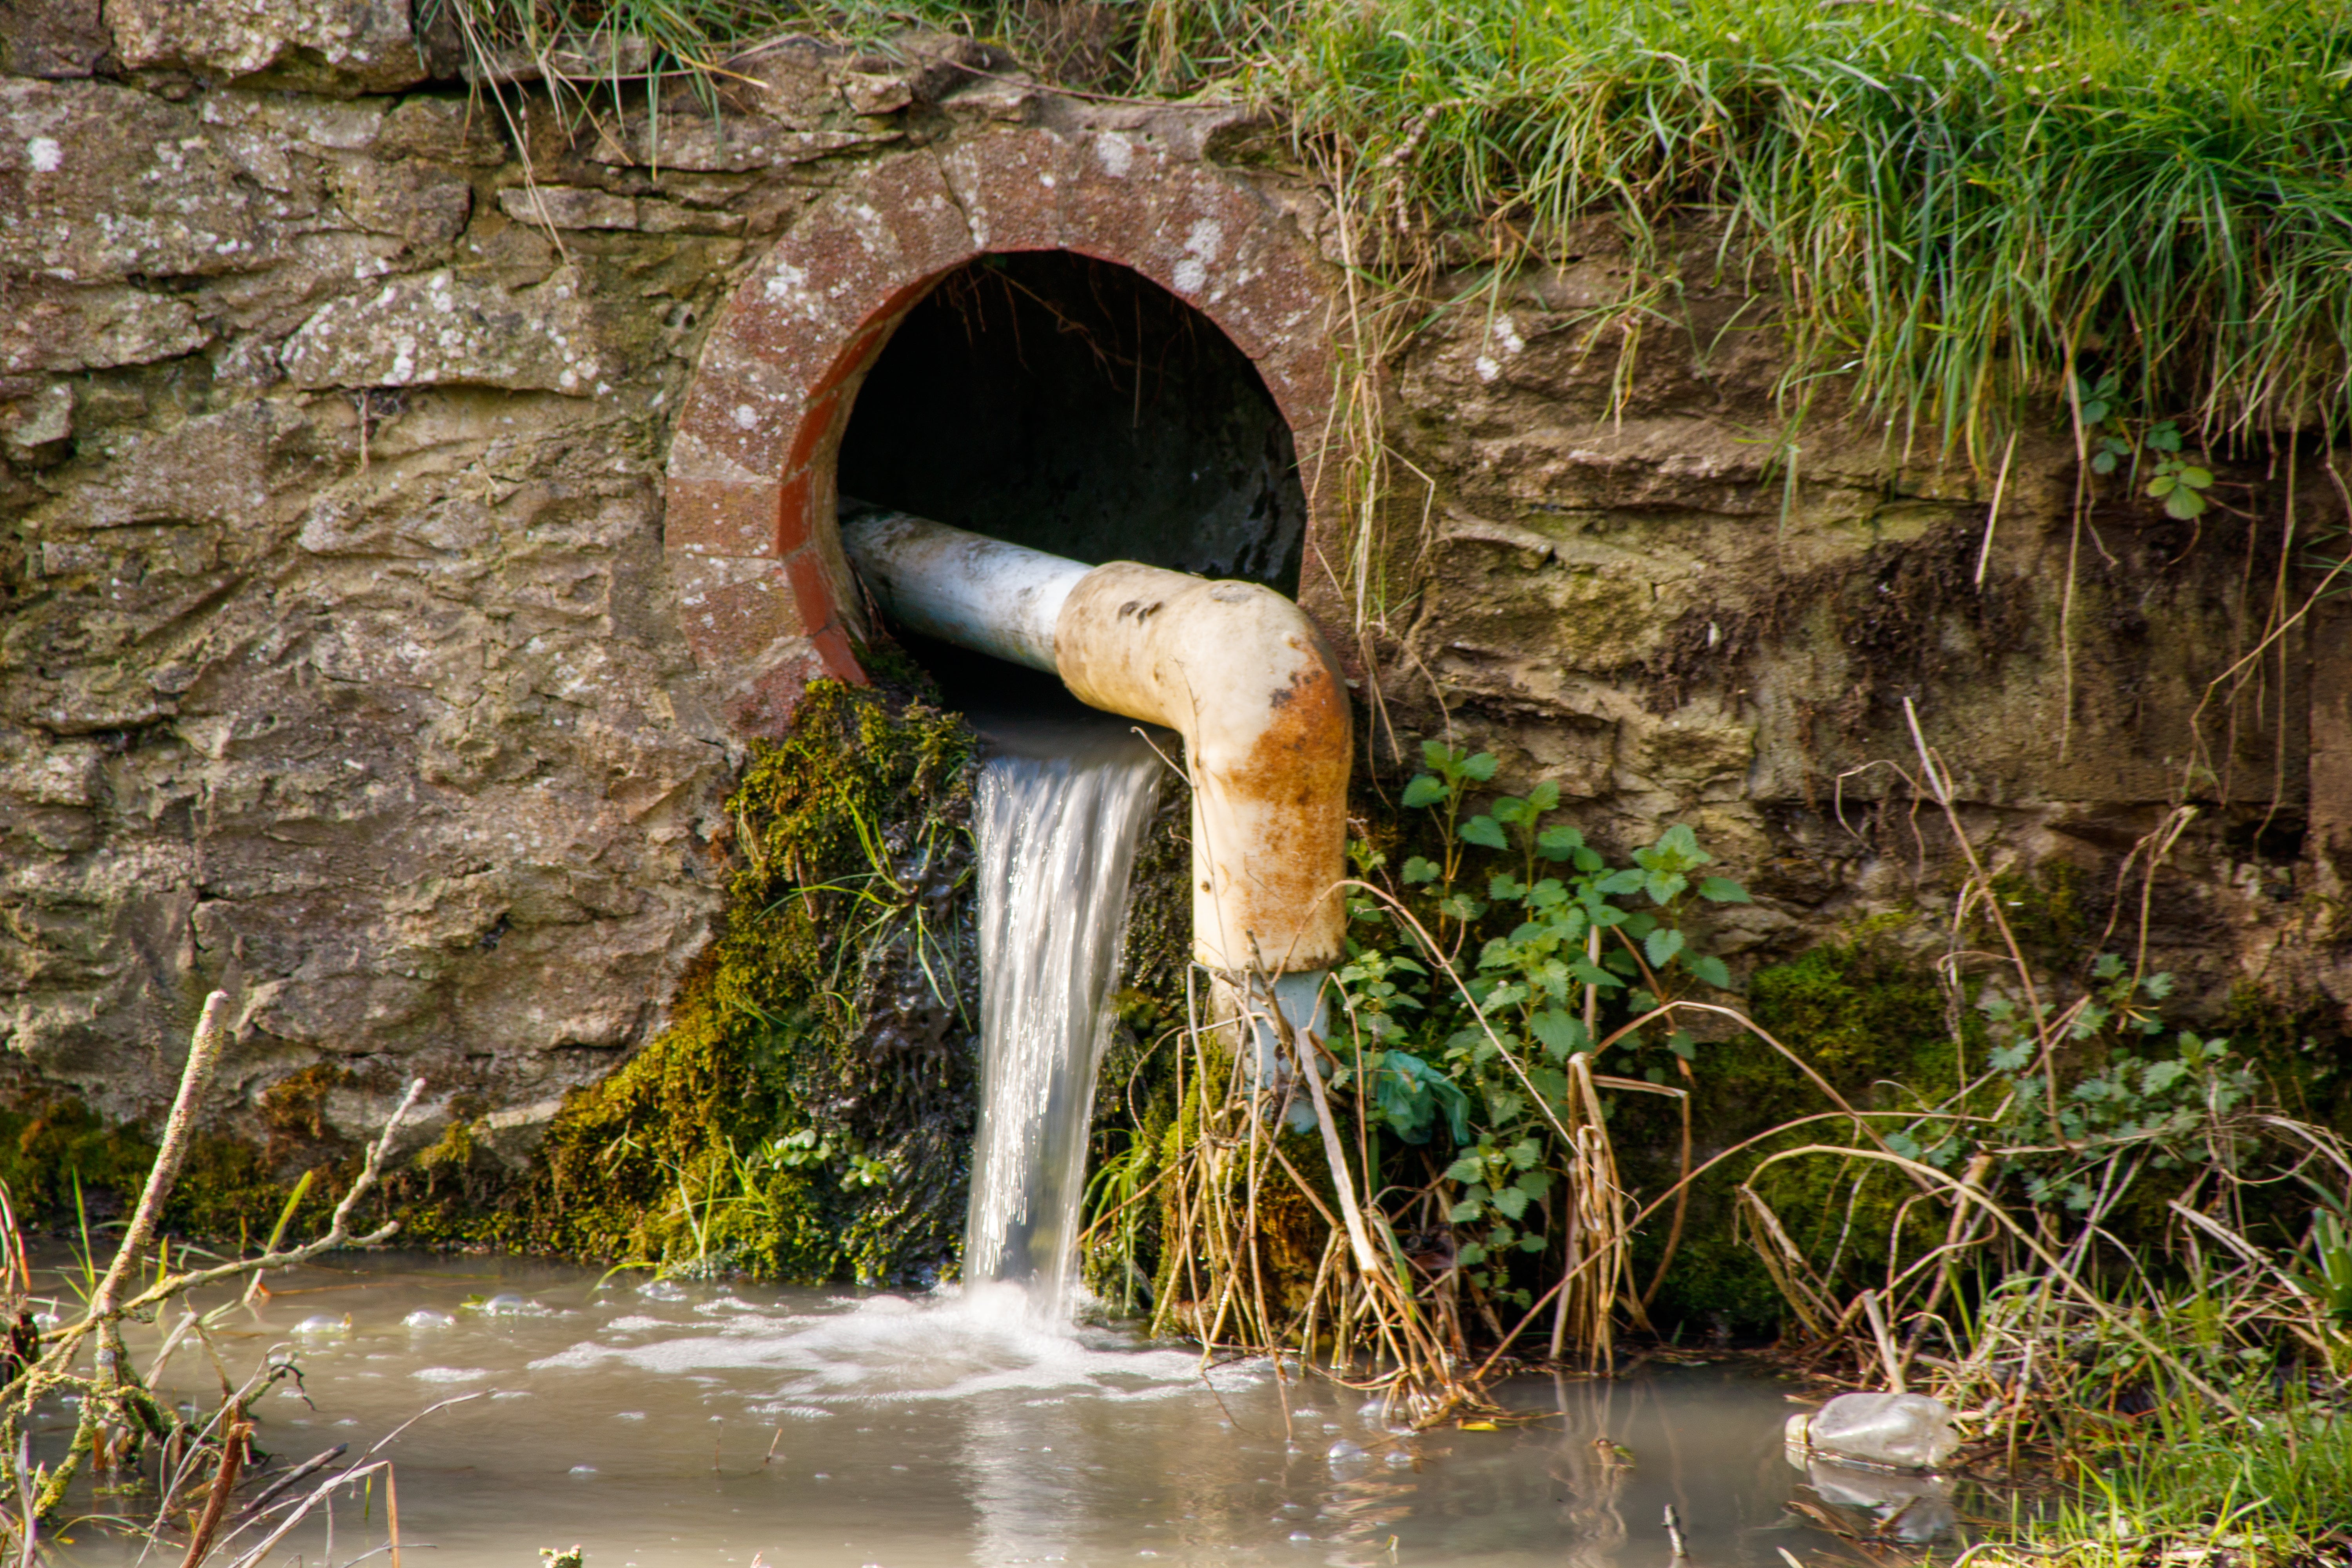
{"x":1236,"y":669}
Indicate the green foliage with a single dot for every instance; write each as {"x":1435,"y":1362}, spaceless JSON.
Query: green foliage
{"x":1966,"y":205}
{"x":1479,"y":1048}
{"x":808,"y":1113}
{"x":2328,"y":1277}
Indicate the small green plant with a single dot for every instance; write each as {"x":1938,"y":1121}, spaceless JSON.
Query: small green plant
{"x":2178,"y":483}
{"x":1482,"y":1022}
{"x":2328,"y":1278}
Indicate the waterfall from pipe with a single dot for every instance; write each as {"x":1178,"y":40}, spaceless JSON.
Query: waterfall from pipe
{"x":1060,"y":810}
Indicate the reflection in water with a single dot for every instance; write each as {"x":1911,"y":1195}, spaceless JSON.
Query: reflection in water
{"x":1908,"y":1508}
{"x":664,"y":1425}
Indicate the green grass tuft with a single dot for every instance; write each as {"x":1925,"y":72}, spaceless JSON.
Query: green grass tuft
{"x":1960,"y":207}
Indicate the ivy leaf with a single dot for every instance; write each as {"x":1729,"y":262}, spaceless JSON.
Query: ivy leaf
{"x":1468,"y":1168}
{"x":1463,"y":1212}
{"x":1512,"y":1202}
{"x":1661,"y":944}
{"x":1470,"y":1256}
{"x":1485,"y":830}
{"x":1480,"y":767}
{"x":1682,"y":1044}
{"x":1425,"y":790}
{"x":1722,"y":890}
{"x":1419,"y":869}
{"x":1544,"y":798}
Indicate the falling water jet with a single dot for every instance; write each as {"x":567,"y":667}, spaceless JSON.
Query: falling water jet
{"x":1059,"y":814}
{"x":1244,"y":677}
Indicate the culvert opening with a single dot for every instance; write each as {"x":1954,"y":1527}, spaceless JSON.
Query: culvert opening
{"x":1077,"y":407}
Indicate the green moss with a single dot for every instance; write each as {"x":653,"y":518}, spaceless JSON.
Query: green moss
{"x":808,"y":1113}
{"x":1871,"y":1019}
{"x":52,"y":1147}
{"x":2048,"y":911}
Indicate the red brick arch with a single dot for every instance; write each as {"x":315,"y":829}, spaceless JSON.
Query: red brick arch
{"x":765,"y":596}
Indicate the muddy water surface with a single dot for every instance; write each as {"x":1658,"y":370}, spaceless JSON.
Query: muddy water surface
{"x":661,"y":1424}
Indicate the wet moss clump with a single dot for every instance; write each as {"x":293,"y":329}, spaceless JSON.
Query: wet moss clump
{"x":1873,"y":1020}
{"x":808,"y":1114}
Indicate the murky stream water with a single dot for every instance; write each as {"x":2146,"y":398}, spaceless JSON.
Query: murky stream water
{"x":638,"y":1420}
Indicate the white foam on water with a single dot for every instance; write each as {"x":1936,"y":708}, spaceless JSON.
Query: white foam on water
{"x":989,"y":1339}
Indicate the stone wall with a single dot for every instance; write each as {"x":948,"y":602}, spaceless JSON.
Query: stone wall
{"x":349,"y":657}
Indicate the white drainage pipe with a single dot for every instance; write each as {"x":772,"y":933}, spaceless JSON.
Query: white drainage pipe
{"x":1235,"y":668}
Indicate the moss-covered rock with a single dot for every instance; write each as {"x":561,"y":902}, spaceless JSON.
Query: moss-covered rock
{"x":808,"y":1113}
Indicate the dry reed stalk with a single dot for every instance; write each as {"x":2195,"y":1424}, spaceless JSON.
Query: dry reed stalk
{"x":232,"y":1462}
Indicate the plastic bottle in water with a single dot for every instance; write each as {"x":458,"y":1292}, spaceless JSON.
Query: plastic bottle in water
{"x":1900,"y":1431}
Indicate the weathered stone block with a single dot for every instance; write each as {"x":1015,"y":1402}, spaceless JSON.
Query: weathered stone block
{"x":103,"y":183}
{"x":61,"y":328}
{"x":568,"y":207}
{"x":327,"y":46}
{"x":422,"y":207}
{"x":51,"y":37}
{"x":34,"y":430}
{"x":736,"y":144}
{"x":444,"y":328}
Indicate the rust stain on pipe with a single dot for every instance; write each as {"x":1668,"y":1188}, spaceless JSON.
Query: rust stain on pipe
{"x":1237,"y":670}
{"x":1242,"y":675}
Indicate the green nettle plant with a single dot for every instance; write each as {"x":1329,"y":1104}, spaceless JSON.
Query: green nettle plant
{"x":1477,"y":991}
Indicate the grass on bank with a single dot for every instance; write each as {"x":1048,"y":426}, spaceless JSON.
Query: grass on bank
{"x":1963,"y":205}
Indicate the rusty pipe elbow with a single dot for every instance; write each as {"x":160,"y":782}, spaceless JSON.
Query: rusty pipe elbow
{"x":1237,"y":670}
{"x":1242,"y":675}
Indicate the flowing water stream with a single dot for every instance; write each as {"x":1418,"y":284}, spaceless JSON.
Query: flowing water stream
{"x":660,"y":1424}
{"x":1061,"y":805}
{"x":637,"y":1420}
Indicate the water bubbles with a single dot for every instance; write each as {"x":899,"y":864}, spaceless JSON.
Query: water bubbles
{"x":506,"y":1304}
{"x":662,"y":1290}
{"x":319,"y":1325}
{"x":583,"y":1469}
{"x":426,"y":1318}
{"x":1399,"y":1459}
{"x":1346,"y":1458}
